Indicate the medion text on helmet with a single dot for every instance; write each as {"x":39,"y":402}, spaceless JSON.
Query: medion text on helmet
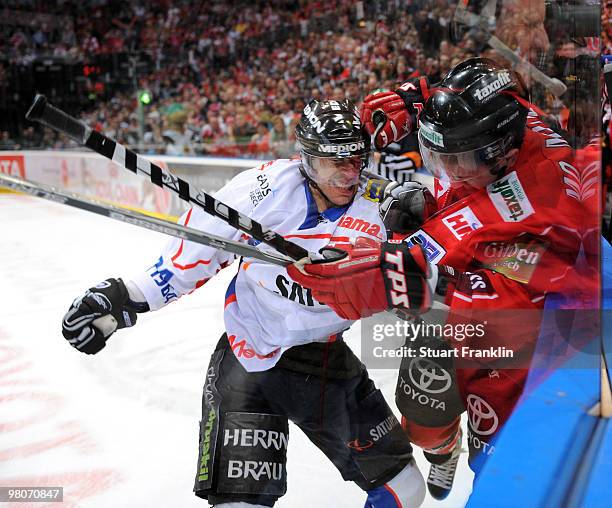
{"x":349,"y":147}
{"x":312,"y":118}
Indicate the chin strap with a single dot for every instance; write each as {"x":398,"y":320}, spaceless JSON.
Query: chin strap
{"x":505,"y":166}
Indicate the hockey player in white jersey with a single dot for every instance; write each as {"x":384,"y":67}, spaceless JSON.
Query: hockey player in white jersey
{"x":283,"y":357}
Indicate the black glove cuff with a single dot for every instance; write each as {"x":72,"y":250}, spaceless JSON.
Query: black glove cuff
{"x":138,"y":307}
{"x":413,"y":97}
{"x":447,"y":276}
{"x":420,"y":95}
{"x":123,"y":309}
{"x":405,"y":282}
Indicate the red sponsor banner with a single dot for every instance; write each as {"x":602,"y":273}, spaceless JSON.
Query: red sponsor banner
{"x":13,"y":165}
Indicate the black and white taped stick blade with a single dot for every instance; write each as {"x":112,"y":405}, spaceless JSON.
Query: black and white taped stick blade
{"x":139,"y":219}
{"x":43,"y":112}
{"x":111,"y":149}
{"x":36,"y":109}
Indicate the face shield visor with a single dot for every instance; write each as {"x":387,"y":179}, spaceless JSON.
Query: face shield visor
{"x":343,"y":172}
{"x":478,"y":166}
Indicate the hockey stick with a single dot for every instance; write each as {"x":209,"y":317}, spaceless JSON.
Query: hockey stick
{"x":43,"y":112}
{"x":139,"y":219}
{"x":462,"y":15}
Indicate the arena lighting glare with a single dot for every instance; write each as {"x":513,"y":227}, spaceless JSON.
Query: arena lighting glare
{"x":145,"y":97}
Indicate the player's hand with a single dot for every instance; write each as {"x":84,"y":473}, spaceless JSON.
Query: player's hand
{"x":95,"y":316}
{"x":387,"y":107}
{"x":403,"y":208}
{"x":370,"y":278}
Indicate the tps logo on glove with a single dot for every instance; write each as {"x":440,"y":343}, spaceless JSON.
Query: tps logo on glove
{"x":399,"y":288}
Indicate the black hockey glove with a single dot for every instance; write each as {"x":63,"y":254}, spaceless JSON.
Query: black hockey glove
{"x":403,"y":208}
{"x":96,"y":315}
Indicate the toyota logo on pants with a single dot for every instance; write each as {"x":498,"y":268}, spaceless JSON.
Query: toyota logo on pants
{"x":429,"y":373}
{"x":482,"y":417}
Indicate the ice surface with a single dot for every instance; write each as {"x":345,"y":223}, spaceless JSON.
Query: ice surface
{"x":120,"y":429}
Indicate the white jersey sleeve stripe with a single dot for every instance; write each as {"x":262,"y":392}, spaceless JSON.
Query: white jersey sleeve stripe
{"x":189,"y":265}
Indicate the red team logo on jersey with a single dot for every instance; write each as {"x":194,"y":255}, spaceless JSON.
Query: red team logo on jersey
{"x":462,"y":222}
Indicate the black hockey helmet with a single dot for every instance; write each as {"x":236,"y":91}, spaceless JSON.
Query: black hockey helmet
{"x":333,"y":147}
{"x":470,"y":122}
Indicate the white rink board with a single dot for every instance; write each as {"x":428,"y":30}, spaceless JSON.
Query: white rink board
{"x":93,"y":175}
{"x":120,"y":428}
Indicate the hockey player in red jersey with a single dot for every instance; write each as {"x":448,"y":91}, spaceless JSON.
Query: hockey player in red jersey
{"x":509,"y":217}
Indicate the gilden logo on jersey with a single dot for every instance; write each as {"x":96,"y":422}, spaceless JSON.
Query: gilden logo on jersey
{"x":515,"y":260}
{"x":462,"y":222}
{"x":360,"y":225}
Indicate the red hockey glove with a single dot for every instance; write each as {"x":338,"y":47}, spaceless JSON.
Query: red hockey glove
{"x":370,"y":278}
{"x":398,"y":123}
{"x":401,"y":110}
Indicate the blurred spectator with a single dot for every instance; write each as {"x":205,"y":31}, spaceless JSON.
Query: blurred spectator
{"x":260,"y":141}
{"x":177,"y":137}
{"x":29,"y":139}
{"x":6,"y":143}
{"x":522,"y":27}
{"x":231,"y":66}
{"x":279,"y":132}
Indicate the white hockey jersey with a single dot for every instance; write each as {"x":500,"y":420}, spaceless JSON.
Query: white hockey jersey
{"x":266,"y":312}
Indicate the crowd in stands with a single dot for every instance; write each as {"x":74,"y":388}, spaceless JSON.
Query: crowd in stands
{"x":231,"y":78}
{"x":226,"y":78}
{"x":606,"y":27}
